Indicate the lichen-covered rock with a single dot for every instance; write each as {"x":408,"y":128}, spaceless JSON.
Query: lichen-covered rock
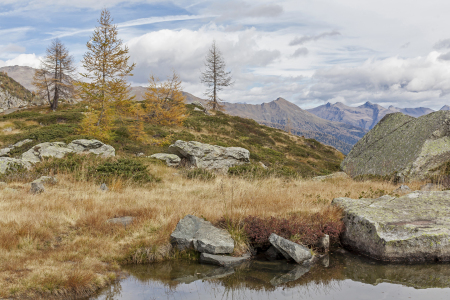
{"x":210,"y":157}
{"x":92,"y":146}
{"x":414,"y":227}
{"x":37,"y":188}
{"x":171,"y":160}
{"x":7,"y":163}
{"x":5,"y":151}
{"x":399,"y":144}
{"x":290,"y":250}
{"x":194,"y":232}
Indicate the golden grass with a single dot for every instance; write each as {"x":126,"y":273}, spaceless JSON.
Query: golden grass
{"x":58,"y":243}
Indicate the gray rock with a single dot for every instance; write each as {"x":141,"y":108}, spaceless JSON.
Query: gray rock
{"x":7,"y":163}
{"x":193,"y":232}
{"x":293,"y":275}
{"x":197,"y":109}
{"x":171,"y":160}
{"x":414,"y":227}
{"x":5,"y":152}
{"x":92,"y":146}
{"x":219,"y":273}
{"x":211,"y":157}
{"x":140,"y":154}
{"x":212,"y":240}
{"x":324,"y":243}
{"x":122,"y":220}
{"x":403,"y":189}
{"x":198,"y":103}
{"x":325,"y":261}
{"x":8,"y":129}
{"x":290,"y":250}
{"x":104,"y":187}
{"x":46,"y":179}
{"x":37,"y":188}
{"x":223,"y":261}
{"x":415,"y":148}
{"x":43,"y":150}
{"x":21,"y":143}
{"x":341,"y":175}
{"x":263,"y":165}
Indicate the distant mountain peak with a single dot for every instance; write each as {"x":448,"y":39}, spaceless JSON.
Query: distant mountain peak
{"x":445,"y":107}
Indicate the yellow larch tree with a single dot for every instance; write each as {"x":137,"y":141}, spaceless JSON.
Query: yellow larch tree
{"x":164,"y":103}
{"x":106,"y":90}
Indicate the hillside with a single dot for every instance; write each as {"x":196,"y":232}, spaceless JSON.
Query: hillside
{"x":282,"y":153}
{"x":12,"y":94}
{"x":21,"y":74}
{"x":280,"y":111}
{"x":365,"y":116}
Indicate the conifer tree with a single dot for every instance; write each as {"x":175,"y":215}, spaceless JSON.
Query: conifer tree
{"x":106,"y":89}
{"x":164,"y":103}
{"x":54,"y":79}
{"x":215,"y":76}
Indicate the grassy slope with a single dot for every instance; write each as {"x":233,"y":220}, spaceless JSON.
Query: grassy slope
{"x":288,"y":154}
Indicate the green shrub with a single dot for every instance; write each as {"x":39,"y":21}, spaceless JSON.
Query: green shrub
{"x":124,"y":168}
{"x":21,"y":115}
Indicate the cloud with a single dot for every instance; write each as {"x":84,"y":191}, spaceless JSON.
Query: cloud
{"x":235,"y":10}
{"x":300,"y":52}
{"x":405,"y":45}
{"x":308,"y":38}
{"x":30,"y":60}
{"x":445,"y":56}
{"x":442,"y":44}
{"x":12,"y":48}
{"x":418,"y":81}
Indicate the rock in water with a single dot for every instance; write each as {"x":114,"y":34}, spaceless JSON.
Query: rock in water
{"x":211,"y":157}
{"x":411,"y":228}
{"x":193,"y":232}
{"x":171,"y":160}
{"x":37,"y":188}
{"x":293,"y":275}
{"x":399,"y":144}
{"x":222,"y":260}
{"x":290,"y":250}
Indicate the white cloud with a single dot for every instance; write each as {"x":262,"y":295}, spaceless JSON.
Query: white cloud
{"x":30,"y":60}
{"x":312,"y":38}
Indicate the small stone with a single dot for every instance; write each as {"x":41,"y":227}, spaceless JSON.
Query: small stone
{"x":37,"y":188}
{"x":263,"y":165}
{"x":222,"y":260}
{"x":103,"y":187}
{"x":140,"y":154}
{"x":197,"y":109}
{"x":324,"y":243}
{"x":403,"y":189}
{"x":46,"y":179}
{"x":122,"y":220}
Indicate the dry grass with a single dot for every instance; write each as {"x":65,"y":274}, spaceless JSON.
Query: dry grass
{"x":57,"y":243}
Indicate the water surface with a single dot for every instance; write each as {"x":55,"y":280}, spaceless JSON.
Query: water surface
{"x":338,"y":276}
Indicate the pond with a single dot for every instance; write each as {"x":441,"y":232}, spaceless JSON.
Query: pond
{"x":337,"y":276}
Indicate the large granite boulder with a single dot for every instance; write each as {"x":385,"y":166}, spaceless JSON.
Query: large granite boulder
{"x":211,"y":157}
{"x":404,"y":146}
{"x":290,"y":250}
{"x":414,"y":227}
{"x":194,"y":232}
{"x":60,"y":149}
{"x":171,"y":160}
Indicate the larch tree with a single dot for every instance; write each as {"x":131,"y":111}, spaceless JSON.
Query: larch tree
{"x":164,"y":103}
{"x":215,"y":76}
{"x":54,"y":79}
{"x":106,"y":88}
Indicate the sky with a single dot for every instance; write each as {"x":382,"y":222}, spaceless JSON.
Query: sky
{"x":310,"y":52}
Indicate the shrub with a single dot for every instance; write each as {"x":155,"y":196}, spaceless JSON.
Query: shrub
{"x":124,"y":168}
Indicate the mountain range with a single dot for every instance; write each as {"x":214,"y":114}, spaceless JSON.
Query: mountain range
{"x":335,"y":124}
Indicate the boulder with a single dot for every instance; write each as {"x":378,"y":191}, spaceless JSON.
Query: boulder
{"x":5,"y":151}
{"x":121,"y":220}
{"x":290,"y":250}
{"x":341,"y":175}
{"x":411,"y":148}
{"x":222,"y":260}
{"x":37,"y":188}
{"x":272,"y":254}
{"x":92,"y":146}
{"x":7,"y":163}
{"x":411,"y":228}
{"x":210,"y":157}
{"x":21,"y":143}
{"x":46,"y":179}
{"x":171,"y":160}
{"x":193,"y":232}
{"x":293,"y":275}
{"x":403,"y":189}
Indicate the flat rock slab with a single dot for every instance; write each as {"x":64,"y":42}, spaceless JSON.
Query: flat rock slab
{"x":290,"y":250}
{"x":171,"y":160}
{"x":222,"y":260}
{"x":411,"y":228}
{"x":122,"y":220}
{"x":194,"y":232}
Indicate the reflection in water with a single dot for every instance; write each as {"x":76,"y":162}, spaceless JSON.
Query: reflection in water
{"x":334,"y":277}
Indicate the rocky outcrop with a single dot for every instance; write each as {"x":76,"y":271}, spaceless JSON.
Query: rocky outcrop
{"x":414,"y":227}
{"x":403,"y":146}
{"x":60,"y":149}
{"x":201,"y":235}
{"x":171,"y":160}
{"x":7,"y":163}
{"x":290,"y":250}
{"x":6,"y":151}
{"x":210,"y":157}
